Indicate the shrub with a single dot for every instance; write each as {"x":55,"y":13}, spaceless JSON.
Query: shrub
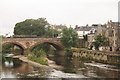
{"x":39,"y":57}
{"x":68,"y":52}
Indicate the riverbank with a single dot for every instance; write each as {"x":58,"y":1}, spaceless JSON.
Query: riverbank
{"x":51,"y":64}
{"x":98,"y":56}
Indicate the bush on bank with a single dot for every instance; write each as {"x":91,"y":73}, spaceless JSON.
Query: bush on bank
{"x":40,"y":60}
{"x":68,"y":52}
{"x":39,"y":57}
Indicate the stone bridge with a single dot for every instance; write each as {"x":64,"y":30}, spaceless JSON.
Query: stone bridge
{"x":27,"y":44}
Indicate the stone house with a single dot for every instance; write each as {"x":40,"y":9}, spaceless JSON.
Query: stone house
{"x":91,"y":36}
{"x":58,"y":27}
{"x":111,"y":30}
{"x":113,"y":34}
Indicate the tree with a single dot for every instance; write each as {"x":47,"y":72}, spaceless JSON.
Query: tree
{"x":39,"y":27}
{"x":69,"y":37}
{"x":11,"y":48}
{"x":40,"y":53}
{"x":100,"y":41}
{"x":43,"y":46}
{"x":31,"y":27}
{"x":51,"y":33}
{"x":7,"y":48}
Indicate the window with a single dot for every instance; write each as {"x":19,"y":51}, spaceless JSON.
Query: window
{"x":110,"y":33}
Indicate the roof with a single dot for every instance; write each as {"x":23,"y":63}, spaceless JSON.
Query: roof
{"x":114,"y":23}
{"x":83,"y":28}
{"x":59,"y":26}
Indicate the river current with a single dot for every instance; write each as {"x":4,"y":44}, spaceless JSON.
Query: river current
{"x":72,"y":68}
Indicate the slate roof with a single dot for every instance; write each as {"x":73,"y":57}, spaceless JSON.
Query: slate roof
{"x":114,"y":23}
{"x":83,"y":28}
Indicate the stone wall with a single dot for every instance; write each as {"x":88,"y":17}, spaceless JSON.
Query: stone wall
{"x":104,"y":57}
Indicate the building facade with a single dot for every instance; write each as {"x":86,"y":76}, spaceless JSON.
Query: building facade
{"x":113,"y":34}
{"x":111,"y":31}
{"x":84,"y":30}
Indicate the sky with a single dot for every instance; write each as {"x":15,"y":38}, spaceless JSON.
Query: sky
{"x":69,"y":12}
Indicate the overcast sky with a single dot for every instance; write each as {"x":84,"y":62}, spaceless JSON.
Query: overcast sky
{"x":69,"y":12}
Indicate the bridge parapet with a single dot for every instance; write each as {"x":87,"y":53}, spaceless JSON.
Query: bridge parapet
{"x":30,"y":39}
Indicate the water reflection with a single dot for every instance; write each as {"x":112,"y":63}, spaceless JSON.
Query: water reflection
{"x":73,"y":68}
{"x":7,"y":74}
{"x":23,"y":68}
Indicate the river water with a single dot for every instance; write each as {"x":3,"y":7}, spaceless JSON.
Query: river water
{"x":72,"y":68}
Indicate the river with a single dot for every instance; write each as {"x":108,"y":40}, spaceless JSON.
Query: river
{"x":72,"y":68}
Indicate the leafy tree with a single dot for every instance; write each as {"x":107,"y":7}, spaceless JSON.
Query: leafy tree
{"x":69,"y":37}
{"x":43,"y":46}
{"x":7,"y":48}
{"x":40,"y":53}
{"x":39,"y":27}
{"x":100,"y":41}
{"x":39,"y":57}
{"x":51,"y":33}
{"x":31,"y":27}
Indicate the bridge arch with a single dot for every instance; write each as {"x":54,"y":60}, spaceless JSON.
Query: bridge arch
{"x":17,"y":44}
{"x":58,"y":46}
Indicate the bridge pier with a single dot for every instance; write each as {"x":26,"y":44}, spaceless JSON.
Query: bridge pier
{"x":61,"y":53}
{"x":26,"y":51}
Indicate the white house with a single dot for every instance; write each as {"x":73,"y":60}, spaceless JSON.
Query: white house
{"x":85,"y":30}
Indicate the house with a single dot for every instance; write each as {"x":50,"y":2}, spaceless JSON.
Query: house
{"x":85,"y":30}
{"x":58,"y":27}
{"x":113,"y":34}
{"x":111,"y":30}
{"x":100,"y":29}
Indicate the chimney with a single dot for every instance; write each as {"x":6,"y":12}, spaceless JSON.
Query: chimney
{"x":86,"y":25}
{"x":110,"y":21}
{"x":76,"y":26}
